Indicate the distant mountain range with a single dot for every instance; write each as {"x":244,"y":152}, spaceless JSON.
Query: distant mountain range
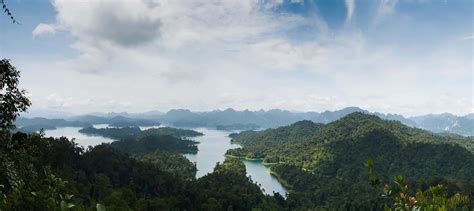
{"x":231,"y":119}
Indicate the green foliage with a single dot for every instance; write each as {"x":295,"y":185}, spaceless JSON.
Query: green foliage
{"x":152,"y":143}
{"x":51,"y":196}
{"x":400,"y":197}
{"x":134,"y":141}
{"x":227,"y":188}
{"x":231,"y":164}
{"x":13,"y":100}
{"x":171,"y":162}
{"x":122,"y":133}
{"x":320,"y":164}
{"x":176,"y":132}
{"x":101,"y":174}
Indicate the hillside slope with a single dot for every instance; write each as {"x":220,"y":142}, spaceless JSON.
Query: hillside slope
{"x":324,"y":167}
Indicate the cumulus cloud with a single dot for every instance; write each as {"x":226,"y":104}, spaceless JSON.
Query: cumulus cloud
{"x":43,"y":29}
{"x":201,"y":54}
{"x":122,"y":22}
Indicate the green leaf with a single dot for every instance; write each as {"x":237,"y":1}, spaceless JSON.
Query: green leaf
{"x":100,"y":207}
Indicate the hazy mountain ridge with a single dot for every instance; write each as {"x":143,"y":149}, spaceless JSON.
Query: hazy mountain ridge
{"x":446,"y":122}
{"x":37,"y":123}
{"x":230,"y":119}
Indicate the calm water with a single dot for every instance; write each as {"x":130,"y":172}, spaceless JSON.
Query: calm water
{"x":212,"y":148}
{"x":81,"y":139}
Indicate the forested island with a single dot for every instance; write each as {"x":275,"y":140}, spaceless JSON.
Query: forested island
{"x":135,"y":141}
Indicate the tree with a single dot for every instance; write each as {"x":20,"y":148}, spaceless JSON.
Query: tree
{"x":7,"y":11}
{"x":13,"y":100}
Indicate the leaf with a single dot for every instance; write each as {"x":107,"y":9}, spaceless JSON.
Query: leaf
{"x":100,"y":207}
{"x":369,"y":163}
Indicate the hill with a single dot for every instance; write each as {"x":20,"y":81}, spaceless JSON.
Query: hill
{"x":38,"y":123}
{"x":324,"y":168}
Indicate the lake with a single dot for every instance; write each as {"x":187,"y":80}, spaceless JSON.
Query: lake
{"x":212,"y":147}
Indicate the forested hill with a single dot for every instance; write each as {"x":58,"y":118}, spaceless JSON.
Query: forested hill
{"x":323,"y":167}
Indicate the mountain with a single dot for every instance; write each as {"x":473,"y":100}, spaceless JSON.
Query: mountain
{"x":37,"y":123}
{"x":470,"y":116}
{"x":446,"y":122}
{"x":322,"y":165}
{"x":115,"y":121}
{"x":230,"y":119}
{"x":264,"y":119}
{"x":46,"y":113}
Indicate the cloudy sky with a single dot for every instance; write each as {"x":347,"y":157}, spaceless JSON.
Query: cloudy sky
{"x":407,"y":56}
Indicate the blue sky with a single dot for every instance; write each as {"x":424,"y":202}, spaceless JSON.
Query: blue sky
{"x":399,"y":56}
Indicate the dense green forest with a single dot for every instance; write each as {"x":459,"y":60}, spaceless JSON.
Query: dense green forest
{"x":39,"y":173}
{"x":121,"y":133}
{"x":132,"y":140}
{"x":321,"y":164}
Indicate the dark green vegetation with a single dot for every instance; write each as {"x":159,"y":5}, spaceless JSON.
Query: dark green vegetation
{"x":13,"y":100}
{"x":400,"y":197}
{"x":176,"y":132}
{"x":132,"y":140}
{"x":123,"y":133}
{"x":113,"y":132}
{"x":321,"y":164}
{"x":170,"y":162}
{"x":38,"y":173}
{"x":150,"y":143}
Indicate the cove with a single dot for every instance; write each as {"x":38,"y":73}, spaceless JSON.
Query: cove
{"x":211,"y":149}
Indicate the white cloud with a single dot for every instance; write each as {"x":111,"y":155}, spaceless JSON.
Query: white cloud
{"x":43,"y":29}
{"x":350,"y":6}
{"x":141,"y":55}
{"x":468,"y":37}
{"x":385,"y":8}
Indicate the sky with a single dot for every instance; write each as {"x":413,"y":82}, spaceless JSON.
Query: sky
{"x":410,"y":57}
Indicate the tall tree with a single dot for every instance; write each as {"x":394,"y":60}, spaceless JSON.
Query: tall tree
{"x":13,"y":100}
